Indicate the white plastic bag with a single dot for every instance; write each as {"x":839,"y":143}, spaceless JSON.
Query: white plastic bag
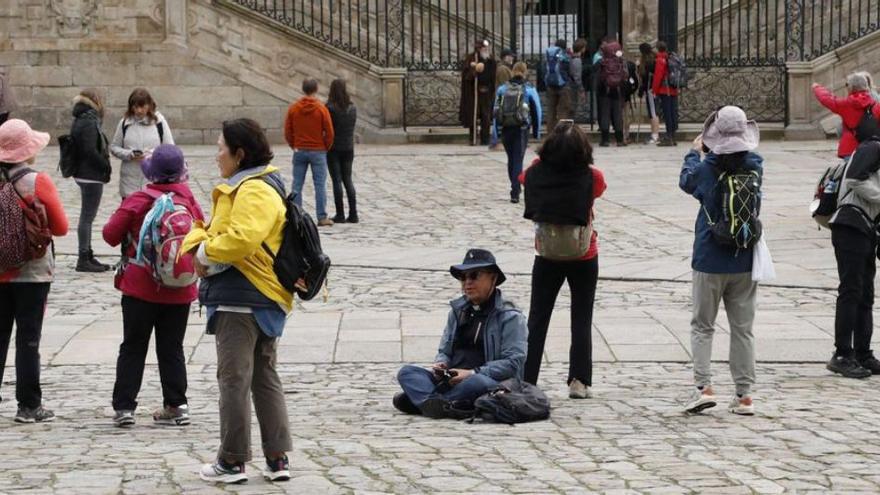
{"x":762,"y":262}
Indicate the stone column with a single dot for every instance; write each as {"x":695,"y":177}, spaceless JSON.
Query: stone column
{"x":175,"y":22}
{"x":393,"y":81}
{"x":639,"y":24}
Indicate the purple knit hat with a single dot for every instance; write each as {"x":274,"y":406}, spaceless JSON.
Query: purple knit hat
{"x":165,"y":165}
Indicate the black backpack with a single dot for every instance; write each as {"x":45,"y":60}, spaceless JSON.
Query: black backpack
{"x":513,"y":401}
{"x":67,"y":160}
{"x":740,"y":193}
{"x":513,"y":107}
{"x":300,"y":254}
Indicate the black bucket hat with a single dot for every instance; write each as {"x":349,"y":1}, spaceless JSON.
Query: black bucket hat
{"x":477,"y":259}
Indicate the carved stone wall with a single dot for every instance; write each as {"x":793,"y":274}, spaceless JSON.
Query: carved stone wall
{"x":202,"y":61}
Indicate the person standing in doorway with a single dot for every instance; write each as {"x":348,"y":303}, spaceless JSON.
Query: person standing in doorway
{"x":308,"y":129}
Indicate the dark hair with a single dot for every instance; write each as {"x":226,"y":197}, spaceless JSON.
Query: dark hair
{"x":645,"y":48}
{"x":731,"y":161}
{"x":562,"y":44}
{"x":580,"y":45}
{"x":139,"y":97}
{"x":248,"y":136}
{"x":566,"y":146}
{"x":310,"y":86}
{"x":338,"y":96}
{"x":661,"y":46}
{"x":609,"y":38}
{"x":92,"y":94}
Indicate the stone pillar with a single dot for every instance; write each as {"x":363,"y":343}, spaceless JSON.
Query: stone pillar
{"x":175,"y":22}
{"x":801,"y":102}
{"x":393,"y":81}
{"x":639,"y":24}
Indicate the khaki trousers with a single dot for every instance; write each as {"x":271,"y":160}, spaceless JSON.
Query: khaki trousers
{"x":246,"y":360}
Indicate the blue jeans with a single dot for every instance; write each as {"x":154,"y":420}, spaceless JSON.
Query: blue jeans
{"x":302,"y":159}
{"x":515,"y":141}
{"x":419,"y":384}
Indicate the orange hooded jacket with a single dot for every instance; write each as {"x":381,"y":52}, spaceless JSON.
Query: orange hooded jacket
{"x":308,"y":125}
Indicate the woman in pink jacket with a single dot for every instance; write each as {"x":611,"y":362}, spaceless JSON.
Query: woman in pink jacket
{"x":145,"y":303}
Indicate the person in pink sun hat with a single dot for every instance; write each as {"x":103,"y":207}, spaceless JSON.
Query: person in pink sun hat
{"x":31,"y":214}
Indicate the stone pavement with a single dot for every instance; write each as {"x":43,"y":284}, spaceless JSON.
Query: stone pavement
{"x":421,"y":207}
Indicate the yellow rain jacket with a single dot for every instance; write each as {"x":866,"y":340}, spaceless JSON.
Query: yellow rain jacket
{"x":245,"y":213}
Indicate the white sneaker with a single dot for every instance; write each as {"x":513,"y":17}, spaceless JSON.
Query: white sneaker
{"x":742,"y":406}
{"x":219,"y":472}
{"x":577,"y":390}
{"x":700,"y":400}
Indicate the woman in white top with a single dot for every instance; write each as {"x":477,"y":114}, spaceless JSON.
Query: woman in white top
{"x":138,"y":133}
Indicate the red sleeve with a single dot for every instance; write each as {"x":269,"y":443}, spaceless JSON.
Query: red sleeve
{"x":329,"y":134}
{"x":659,"y":75}
{"x":522,"y":175}
{"x":119,"y":224}
{"x":288,"y":126}
{"x":827,"y":98}
{"x":599,"y":184}
{"x":45,"y":191}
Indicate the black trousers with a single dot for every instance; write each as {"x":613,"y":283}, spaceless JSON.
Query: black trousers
{"x":547,"y":279}
{"x":856,"y":266}
{"x":669,"y":105}
{"x":90,"y":195}
{"x":339,"y":163}
{"x":23,"y":304}
{"x":610,"y":113}
{"x":485,"y":100}
{"x":139,"y":317}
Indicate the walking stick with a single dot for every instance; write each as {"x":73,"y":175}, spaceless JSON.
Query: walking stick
{"x":639,"y":121}
{"x":476,"y":96}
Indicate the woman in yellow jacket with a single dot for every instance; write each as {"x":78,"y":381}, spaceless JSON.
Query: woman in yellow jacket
{"x":247,"y":306}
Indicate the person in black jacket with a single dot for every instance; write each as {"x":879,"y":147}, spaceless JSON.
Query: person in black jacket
{"x":343,"y":114}
{"x":854,"y":237}
{"x":92,"y":156}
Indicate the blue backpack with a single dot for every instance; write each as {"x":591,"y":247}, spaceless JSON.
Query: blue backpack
{"x":555,"y":57}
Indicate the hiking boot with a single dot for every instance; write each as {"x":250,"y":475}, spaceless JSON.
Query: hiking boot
{"x":514,"y":198}
{"x":870,"y":363}
{"x":700,"y":400}
{"x":89,"y":265}
{"x":172,"y":416}
{"x":742,"y":406}
{"x":278,"y":469}
{"x":403,"y":404}
{"x":435,"y":407}
{"x":339,"y":219}
{"x":220,"y":472}
{"x":352,"y":219}
{"x":847,"y":366}
{"x":37,"y":414}
{"x":621,"y":144}
{"x":123,"y":418}
{"x":666,"y":142}
{"x":95,"y":262}
{"x":577,"y":390}
{"x":325,"y":222}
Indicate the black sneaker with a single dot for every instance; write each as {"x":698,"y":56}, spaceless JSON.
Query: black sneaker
{"x":403,"y":404}
{"x":88,"y":265}
{"x":339,"y":219}
{"x":847,"y":367}
{"x":37,"y":414}
{"x":352,"y":219}
{"x":666,"y":142}
{"x":870,"y":363}
{"x":277,"y":470}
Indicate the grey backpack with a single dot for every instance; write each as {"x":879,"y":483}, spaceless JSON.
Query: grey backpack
{"x":513,"y":401}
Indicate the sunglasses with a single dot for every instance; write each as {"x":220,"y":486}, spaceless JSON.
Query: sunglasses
{"x":473,"y":276}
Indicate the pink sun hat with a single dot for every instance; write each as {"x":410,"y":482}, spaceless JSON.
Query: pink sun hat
{"x":18,"y":142}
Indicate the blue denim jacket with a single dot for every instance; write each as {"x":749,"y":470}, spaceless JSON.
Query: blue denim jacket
{"x":699,"y":178}
{"x":505,"y":343}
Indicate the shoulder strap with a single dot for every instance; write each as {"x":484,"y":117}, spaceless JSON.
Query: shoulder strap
{"x":161,"y":129}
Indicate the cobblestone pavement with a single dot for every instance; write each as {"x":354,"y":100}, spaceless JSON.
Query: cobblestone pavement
{"x":420,"y":208}
{"x":812,"y":434}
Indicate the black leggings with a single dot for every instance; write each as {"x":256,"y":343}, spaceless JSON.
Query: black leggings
{"x":24,"y":305}
{"x":339,"y":163}
{"x":547,"y":279}
{"x":854,"y":315}
{"x":91,"y":200}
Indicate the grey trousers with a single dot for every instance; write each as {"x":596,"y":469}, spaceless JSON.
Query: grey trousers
{"x":246,"y":360}
{"x":738,"y":292}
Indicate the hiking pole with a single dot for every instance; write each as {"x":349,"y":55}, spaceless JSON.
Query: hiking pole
{"x":476,"y":96}
{"x":638,"y":121}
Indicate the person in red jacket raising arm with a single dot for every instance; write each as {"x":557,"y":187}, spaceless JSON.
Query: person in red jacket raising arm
{"x":667,"y":95}
{"x":851,"y":109}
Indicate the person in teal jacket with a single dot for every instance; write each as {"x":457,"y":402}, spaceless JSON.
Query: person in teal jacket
{"x":514,"y":130}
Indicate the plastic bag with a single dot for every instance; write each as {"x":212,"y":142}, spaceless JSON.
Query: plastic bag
{"x":762,"y":262}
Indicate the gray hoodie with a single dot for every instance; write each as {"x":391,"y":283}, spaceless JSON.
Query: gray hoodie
{"x":139,"y":135}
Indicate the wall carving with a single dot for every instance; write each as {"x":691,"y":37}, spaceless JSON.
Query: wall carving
{"x":74,"y":18}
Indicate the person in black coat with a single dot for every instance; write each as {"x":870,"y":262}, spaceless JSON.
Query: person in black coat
{"x":92,"y":171}
{"x":340,"y":158}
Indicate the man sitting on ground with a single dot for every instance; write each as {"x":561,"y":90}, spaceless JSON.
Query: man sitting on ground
{"x":484,"y":343}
